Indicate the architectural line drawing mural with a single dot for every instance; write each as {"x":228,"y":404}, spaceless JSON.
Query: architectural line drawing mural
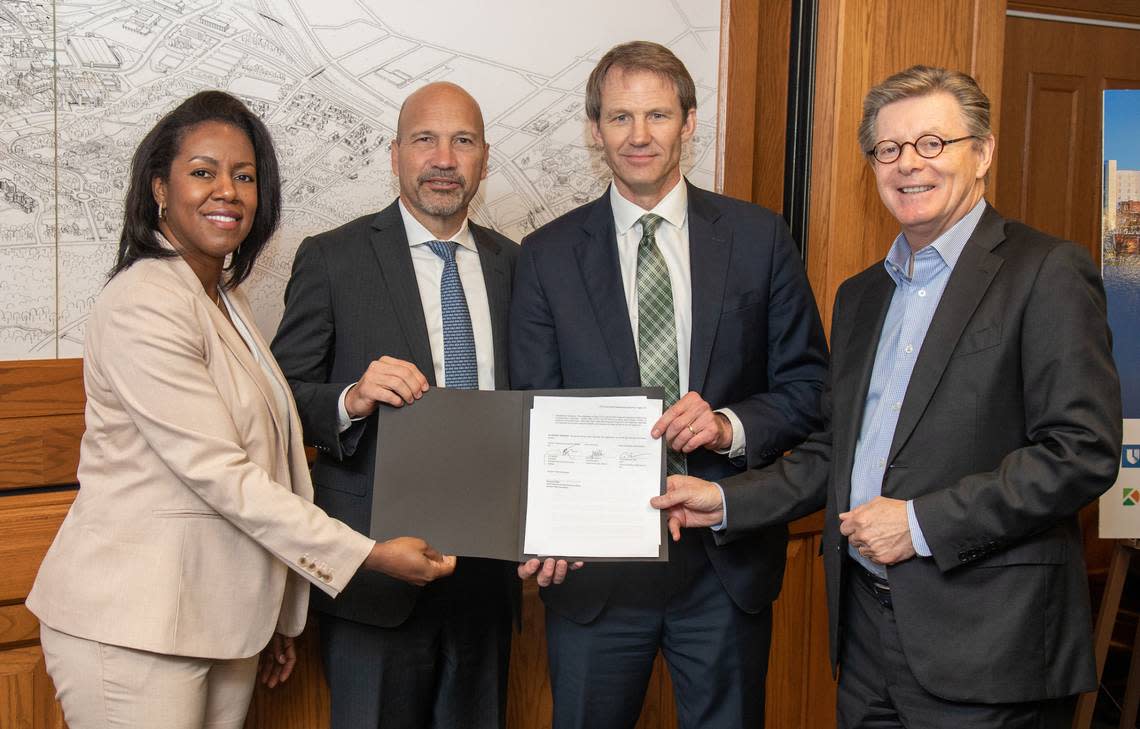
{"x":88,"y":78}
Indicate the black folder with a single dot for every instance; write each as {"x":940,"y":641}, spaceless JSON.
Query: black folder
{"x":451,"y":468}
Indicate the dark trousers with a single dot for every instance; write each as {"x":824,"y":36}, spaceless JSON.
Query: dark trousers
{"x":444,"y":667}
{"x":717,"y":654}
{"x":877,"y":689}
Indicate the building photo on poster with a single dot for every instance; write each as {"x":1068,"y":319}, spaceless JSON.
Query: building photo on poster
{"x":1120,"y":266}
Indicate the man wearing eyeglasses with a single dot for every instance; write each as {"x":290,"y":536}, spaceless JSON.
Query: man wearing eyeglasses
{"x":973,"y":408}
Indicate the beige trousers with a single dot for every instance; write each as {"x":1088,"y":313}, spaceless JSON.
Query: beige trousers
{"x":104,"y":686}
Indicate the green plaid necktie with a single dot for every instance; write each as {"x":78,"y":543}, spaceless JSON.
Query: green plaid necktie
{"x":656,"y":331}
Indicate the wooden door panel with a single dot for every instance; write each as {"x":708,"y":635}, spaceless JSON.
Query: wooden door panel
{"x":29,"y":523}
{"x":1049,"y":146}
{"x":1053,"y":133}
{"x":27,"y":697}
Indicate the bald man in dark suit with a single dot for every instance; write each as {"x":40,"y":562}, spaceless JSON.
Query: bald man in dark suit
{"x":371,"y":317}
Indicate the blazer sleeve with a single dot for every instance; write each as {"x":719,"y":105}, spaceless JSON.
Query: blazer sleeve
{"x":1073,"y":424}
{"x":303,"y":347}
{"x":794,"y":486}
{"x":157,"y":367}
{"x":797,"y":484}
{"x":535,"y":363}
{"x":789,"y":410}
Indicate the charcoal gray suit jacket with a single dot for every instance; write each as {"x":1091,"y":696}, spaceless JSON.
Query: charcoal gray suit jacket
{"x":352,"y":298}
{"x":1011,"y":423}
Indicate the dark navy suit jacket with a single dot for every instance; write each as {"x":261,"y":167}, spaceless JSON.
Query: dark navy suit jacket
{"x":757,"y":347}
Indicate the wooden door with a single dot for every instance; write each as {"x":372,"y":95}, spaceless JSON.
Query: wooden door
{"x":1049,"y":146}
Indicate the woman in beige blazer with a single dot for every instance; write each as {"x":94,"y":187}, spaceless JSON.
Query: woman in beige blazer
{"x":193,"y":539}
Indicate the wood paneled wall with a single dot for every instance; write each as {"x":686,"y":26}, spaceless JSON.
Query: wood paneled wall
{"x":860,"y":43}
{"x":1049,"y":148}
{"x":28,"y":523}
{"x":1125,"y":11}
{"x":757,"y":93}
{"x":41,"y":420}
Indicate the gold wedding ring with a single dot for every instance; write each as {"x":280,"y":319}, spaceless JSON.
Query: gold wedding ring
{"x":690,"y":427}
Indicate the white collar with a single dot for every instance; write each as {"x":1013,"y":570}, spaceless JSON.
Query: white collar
{"x":418,"y":234}
{"x":673,"y":208}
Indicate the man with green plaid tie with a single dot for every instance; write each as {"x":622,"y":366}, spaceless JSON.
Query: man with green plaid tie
{"x":659,"y":283}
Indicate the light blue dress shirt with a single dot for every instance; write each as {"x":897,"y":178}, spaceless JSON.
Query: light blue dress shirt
{"x":920,"y":279}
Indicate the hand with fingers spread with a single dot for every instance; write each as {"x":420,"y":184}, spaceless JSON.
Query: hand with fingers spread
{"x":277,"y":660}
{"x":690,"y":502}
{"x":690,"y":423}
{"x":387,"y":380}
{"x":547,"y":572}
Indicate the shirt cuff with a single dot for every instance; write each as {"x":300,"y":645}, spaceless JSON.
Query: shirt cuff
{"x":916,"y":538}
{"x":736,"y":448}
{"x":724,"y":510}
{"x":343,"y":421}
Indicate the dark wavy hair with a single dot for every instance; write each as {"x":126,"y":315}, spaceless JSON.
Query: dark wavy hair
{"x":152,"y":160}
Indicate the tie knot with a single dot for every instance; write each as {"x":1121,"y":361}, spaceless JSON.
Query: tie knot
{"x":445,"y":249}
{"x":649,"y":223}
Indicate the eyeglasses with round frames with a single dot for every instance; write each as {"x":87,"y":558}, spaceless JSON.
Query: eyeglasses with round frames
{"x":928,"y":146}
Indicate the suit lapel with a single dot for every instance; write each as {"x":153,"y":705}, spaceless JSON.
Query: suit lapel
{"x":390,"y":243}
{"x":497,"y":279}
{"x":294,"y":447}
{"x":232,"y":340}
{"x":710,"y":246}
{"x":851,"y":386}
{"x":241,"y":353}
{"x":241,"y":306}
{"x":968,"y":283}
{"x":596,"y":252}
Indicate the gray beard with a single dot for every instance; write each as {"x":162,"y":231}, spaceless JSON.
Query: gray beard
{"x":443,"y":208}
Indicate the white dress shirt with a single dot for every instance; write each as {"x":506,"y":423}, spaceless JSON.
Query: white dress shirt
{"x":429,"y":270}
{"x":672,"y":237}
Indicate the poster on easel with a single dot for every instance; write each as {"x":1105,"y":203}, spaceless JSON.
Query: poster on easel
{"x":1120,"y":266}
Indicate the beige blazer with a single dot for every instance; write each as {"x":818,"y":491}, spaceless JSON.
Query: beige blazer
{"x":193,"y":532}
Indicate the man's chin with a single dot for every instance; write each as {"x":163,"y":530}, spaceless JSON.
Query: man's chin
{"x":441,"y":205}
{"x":646,"y":184}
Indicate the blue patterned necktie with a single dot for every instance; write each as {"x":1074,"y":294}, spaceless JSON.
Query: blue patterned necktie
{"x":459,"y":366}
{"x":656,"y":331}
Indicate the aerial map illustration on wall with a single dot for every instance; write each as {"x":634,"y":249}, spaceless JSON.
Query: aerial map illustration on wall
{"x":86,"y":80}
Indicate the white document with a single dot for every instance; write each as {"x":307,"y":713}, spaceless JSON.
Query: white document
{"x":593,"y":468}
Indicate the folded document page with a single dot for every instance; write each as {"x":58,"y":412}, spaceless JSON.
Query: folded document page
{"x":592,"y":469}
